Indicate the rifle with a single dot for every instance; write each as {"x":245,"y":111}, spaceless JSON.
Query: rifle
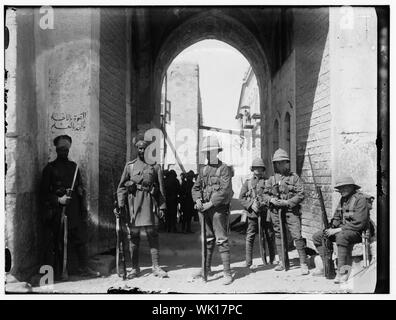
{"x":119,"y":235}
{"x":64,"y":224}
{"x":326,"y":243}
{"x":284,"y":254}
{"x":262,"y":241}
{"x":203,"y":238}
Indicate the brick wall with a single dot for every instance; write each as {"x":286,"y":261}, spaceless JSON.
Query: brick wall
{"x":313,"y":117}
{"x":112,"y":104}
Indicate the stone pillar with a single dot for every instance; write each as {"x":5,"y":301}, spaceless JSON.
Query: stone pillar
{"x":353,"y":78}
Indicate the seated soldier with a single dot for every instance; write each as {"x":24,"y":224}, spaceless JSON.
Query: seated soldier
{"x":349,"y":221}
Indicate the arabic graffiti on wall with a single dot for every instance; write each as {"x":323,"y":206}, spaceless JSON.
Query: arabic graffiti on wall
{"x":64,"y":121}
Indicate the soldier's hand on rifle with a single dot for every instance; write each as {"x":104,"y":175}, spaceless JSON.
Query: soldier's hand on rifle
{"x":256,"y":206}
{"x":274,"y":201}
{"x":198,"y":205}
{"x":117,"y":212}
{"x":330,"y":232}
{"x":282,"y":203}
{"x":64,"y":200}
{"x":207,"y":206}
{"x":161,"y":214}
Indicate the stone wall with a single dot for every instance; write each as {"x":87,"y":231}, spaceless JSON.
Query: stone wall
{"x":55,"y":92}
{"x":183,"y":94}
{"x":112,"y":112}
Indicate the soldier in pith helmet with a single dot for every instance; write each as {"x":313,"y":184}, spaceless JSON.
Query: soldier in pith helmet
{"x":350,"y":219}
{"x":212,"y":194}
{"x":251,"y":199}
{"x":284,"y":191}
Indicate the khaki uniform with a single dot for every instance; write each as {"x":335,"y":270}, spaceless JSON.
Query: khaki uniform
{"x":141,"y":189}
{"x":214,"y":184}
{"x":254,"y":187}
{"x":290,"y":188}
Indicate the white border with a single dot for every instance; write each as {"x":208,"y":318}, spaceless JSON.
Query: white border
{"x":230,"y":297}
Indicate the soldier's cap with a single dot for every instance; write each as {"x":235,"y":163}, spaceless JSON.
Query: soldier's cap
{"x":345,"y":181}
{"x":63,"y":141}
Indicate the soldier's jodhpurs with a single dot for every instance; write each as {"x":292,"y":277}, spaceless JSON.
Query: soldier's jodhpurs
{"x":134,"y":241}
{"x":344,"y":240}
{"x":216,"y":233}
{"x":252,"y":229}
{"x":293,"y":224}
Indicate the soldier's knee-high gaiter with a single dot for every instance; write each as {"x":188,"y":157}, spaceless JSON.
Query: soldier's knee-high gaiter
{"x":209,"y":253}
{"x":270,"y":235}
{"x":300,"y":246}
{"x":342,"y":256}
{"x":250,"y":235}
{"x":278,"y":242}
{"x":153,"y":239}
{"x":224,"y":250}
{"x":134,"y":241}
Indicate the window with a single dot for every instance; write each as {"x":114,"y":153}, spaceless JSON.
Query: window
{"x":275,"y":136}
{"x":287,"y":139}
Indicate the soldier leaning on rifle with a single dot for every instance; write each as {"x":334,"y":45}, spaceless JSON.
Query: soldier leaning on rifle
{"x":141,"y":187}
{"x":250,"y":198}
{"x":349,"y":221}
{"x":57,"y":178}
{"x":284,"y":191}
{"x":212,"y":193}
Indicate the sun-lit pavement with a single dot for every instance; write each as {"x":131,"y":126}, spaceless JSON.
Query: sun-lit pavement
{"x":180,"y":256}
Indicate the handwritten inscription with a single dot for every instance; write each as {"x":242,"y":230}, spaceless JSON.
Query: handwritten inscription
{"x":65,"y":121}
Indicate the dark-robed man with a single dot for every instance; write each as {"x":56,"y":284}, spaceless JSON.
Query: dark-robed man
{"x":141,"y":198}
{"x":57,"y":178}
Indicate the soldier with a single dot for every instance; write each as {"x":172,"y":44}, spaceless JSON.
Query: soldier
{"x":212,"y":193}
{"x":57,"y":178}
{"x":349,"y":221}
{"x":141,"y":187}
{"x":284,"y":191}
{"x":250,"y":198}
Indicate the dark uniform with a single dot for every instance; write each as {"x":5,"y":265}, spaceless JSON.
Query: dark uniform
{"x":352,"y":216}
{"x":254,"y":187}
{"x":213,"y":188}
{"x":57,"y":177}
{"x":288,"y":188}
{"x":141,"y":188}
{"x":187,"y":202}
{"x":172,"y":189}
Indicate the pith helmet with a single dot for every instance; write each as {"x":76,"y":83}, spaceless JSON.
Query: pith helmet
{"x":211,"y":143}
{"x":344,"y":181}
{"x":280,"y":155}
{"x":258,"y":162}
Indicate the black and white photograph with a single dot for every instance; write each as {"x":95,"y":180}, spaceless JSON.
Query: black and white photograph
{"x":196,"y":149}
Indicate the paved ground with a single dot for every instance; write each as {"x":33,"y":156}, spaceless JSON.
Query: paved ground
{"x":180,"y":256}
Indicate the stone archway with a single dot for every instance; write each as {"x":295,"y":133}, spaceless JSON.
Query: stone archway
{"x":210,"y":25}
